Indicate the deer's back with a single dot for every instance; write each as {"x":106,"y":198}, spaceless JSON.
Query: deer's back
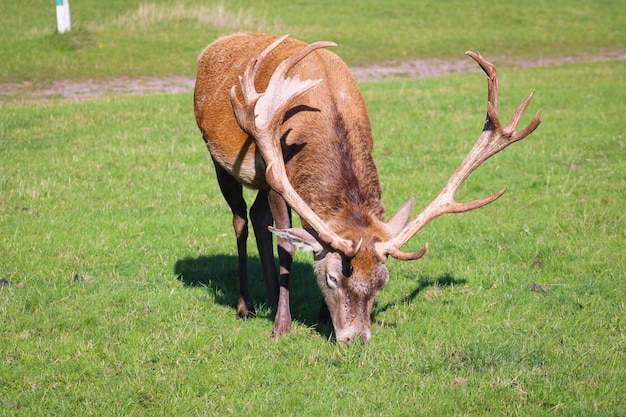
{"x":312,"y":125}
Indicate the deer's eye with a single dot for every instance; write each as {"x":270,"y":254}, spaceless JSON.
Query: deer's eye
{"x":331,"y":281}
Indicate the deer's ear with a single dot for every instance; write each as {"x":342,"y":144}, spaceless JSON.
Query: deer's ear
{"x":300,"y":238}
{"x":399,"y":220}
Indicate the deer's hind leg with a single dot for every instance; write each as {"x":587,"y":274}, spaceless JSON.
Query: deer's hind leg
{"x":232,"y":191}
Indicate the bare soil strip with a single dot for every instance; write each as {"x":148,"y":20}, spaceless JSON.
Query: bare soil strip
{"x":431,"y":67}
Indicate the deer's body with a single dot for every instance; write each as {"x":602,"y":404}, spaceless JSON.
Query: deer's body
{"x":327,"y":142}
{"x":326,"y":138}
{"x":288,"y":119}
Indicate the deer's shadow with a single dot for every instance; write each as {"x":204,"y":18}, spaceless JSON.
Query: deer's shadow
{"x":219,"y":274}
{"x":423,"y":282}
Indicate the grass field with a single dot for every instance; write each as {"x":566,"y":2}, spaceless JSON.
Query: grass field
{"x":164,"y":37}
{"x":517,"y":309}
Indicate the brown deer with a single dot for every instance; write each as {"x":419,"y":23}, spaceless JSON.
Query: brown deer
{"x":304,"y":142}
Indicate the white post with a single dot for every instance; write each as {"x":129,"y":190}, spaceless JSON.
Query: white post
{"x":63,"y":15}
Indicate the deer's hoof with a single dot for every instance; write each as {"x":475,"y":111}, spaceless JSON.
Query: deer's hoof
{"x":281,"y":327}
{"x":245,"y":308}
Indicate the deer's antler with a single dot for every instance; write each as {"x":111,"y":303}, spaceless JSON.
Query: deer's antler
{"x":493,"y":139}
{"x":261,"y":116}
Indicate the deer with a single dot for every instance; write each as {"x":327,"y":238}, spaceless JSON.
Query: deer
{"x":287,"y":118}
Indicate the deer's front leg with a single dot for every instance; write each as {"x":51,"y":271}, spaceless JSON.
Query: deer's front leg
{"x":261,"y":216}
{"x":286,"y":251}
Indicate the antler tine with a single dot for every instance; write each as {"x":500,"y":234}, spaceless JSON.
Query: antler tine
{"x":283,"y":91}
{"x":289,"y":63}
{"x":493,"y":90}
{"x":406,"y":256}
{"x":534,"y":124}
{"x":492,"y":140}
{"x":246,"y":81}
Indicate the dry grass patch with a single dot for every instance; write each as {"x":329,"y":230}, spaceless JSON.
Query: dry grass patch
{"x":218,"y":16}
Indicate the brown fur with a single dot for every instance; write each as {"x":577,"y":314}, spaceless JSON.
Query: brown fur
{"x":327,"y":149}
{"x":329,"y":133}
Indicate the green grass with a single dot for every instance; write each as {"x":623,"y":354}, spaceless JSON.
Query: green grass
{"x":517,"y":309}
{"x":120,"y":190}
{"x":159,"y":37}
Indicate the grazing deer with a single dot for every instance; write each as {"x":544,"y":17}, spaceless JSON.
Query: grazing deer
{"x":304,"y":142}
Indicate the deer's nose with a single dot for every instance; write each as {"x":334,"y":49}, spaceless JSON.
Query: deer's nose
{"x":348,"y":337}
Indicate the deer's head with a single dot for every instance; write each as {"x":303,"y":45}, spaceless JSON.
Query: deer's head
{"x":350,"y":279}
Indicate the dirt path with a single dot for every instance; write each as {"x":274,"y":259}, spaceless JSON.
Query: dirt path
{"x":80,"y":89}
